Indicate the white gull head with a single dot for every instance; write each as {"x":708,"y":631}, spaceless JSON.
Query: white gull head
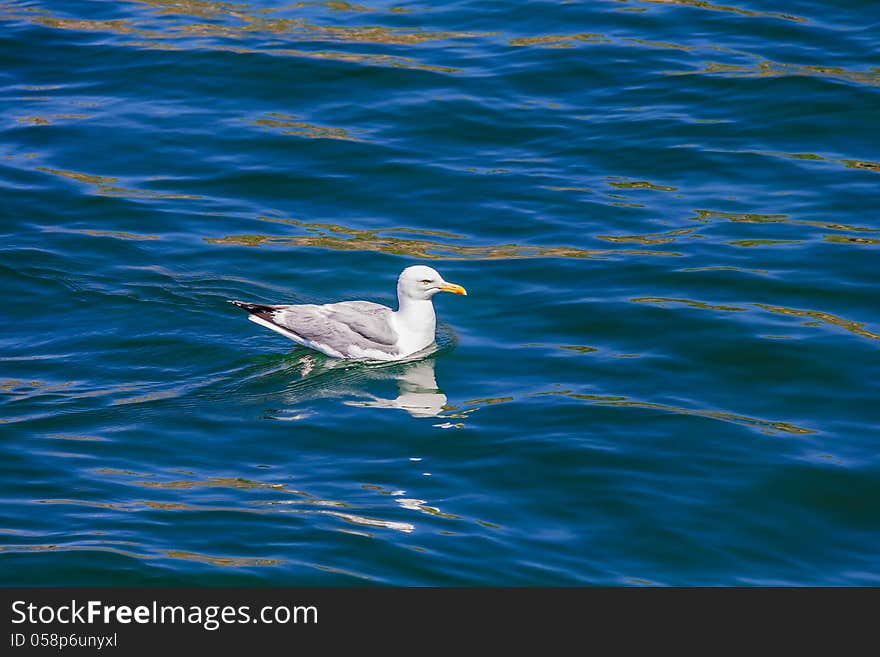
{"x":420,"y":283}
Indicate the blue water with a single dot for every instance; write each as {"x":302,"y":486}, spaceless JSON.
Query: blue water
{"x":664,"y":212}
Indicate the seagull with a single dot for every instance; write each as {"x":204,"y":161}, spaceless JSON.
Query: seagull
{"x":361,"y":329}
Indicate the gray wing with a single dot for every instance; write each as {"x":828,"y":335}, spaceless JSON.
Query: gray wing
{"x":370,"y":320}
{"x":339,"y":326}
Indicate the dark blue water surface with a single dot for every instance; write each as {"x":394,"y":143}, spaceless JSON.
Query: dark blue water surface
{"x":666,"y":216}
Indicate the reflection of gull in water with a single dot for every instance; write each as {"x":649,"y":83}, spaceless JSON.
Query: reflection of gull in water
{"x":310,"y":376}
{"x":419,"y":395}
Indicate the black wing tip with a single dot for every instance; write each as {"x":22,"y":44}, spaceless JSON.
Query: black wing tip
{"x":253,"y":308}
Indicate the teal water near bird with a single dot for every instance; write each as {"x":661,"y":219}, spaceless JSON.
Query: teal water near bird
{"x":664,"y":214}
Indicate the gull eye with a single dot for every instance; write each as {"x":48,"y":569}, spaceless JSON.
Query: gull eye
{"x":425,"y":282}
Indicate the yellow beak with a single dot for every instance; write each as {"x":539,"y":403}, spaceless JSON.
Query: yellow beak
{"x":452,"y":287}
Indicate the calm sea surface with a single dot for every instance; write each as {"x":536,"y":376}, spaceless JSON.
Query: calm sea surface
{"x":666,"y":216}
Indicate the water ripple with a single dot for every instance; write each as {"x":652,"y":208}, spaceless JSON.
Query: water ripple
{"x":664,"y":211}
